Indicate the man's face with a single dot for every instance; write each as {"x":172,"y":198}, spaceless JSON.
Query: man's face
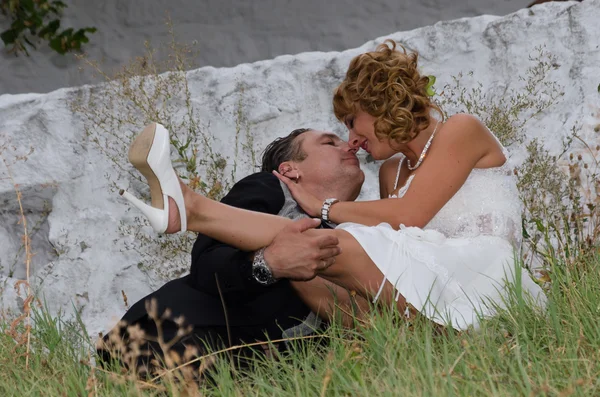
{"x":329,"y":161}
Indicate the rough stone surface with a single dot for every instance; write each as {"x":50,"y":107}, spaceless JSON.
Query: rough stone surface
{"x":83,"y":262}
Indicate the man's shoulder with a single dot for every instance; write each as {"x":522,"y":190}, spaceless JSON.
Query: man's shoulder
{"x":258,"y":183}
{"x":262,"y":177}
{"x":260,"y":191}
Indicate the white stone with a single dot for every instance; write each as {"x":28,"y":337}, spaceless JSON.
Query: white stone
{"x":82,"y":261}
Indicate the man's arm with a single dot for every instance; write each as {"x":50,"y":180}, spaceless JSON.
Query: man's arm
{"x":210,"y":258}
{"x":291,"y":255}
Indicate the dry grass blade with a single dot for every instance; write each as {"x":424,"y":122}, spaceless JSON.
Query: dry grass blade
{"x":328,"y":372}
{"x":451,"y":370}
{"x":155,"y":88}
{"x":27,"y":244}
{"x":237,"y":347}
{"x":146,"y":385}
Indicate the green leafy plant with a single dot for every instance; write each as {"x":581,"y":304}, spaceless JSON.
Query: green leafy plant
{"x":560,"y":193}
{"x":39,"y":20}
{"x":154,"y":88}
{"x":507,"y":114}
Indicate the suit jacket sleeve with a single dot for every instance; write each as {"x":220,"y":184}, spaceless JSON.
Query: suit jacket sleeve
{"x":213,"y":260}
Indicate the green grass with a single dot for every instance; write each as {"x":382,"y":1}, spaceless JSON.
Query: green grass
{"x":520,"y":352}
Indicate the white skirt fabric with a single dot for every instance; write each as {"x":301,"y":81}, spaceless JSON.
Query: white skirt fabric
{"x":452,"y":281}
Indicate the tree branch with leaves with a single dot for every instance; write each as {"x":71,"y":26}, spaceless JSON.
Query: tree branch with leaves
{"x":35,"y":21}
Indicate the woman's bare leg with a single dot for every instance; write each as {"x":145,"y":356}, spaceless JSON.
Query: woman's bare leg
{"x":243,"y":229}
{"x":354,"y":270}
{"x":248,"y":230}
{"x":330,"y":301}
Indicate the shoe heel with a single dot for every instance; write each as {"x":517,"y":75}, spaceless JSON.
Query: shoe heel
{"x":138,"y":157}
{"x":150,"y":154}
{"x":158,"y":218}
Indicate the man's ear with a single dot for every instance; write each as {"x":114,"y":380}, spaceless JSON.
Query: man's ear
{"x":288,"y":168}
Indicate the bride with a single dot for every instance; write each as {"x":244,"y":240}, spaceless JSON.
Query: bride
{"x":441,"y":240}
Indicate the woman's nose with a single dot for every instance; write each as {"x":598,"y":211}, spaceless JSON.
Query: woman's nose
{"x":351,"y":149}
{"x":353,"y":140}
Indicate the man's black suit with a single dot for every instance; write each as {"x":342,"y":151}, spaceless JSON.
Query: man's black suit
{"x":254,"y":312}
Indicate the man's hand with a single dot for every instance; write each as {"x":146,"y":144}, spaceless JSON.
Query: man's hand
{"x":298,"y":256}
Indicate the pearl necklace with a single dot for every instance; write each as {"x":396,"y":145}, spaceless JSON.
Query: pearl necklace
{"x":424,"y":152}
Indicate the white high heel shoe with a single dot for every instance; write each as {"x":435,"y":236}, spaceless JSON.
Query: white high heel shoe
{"x":150,"y":153}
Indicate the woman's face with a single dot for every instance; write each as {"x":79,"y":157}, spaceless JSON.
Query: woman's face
{"x":361,"y":127}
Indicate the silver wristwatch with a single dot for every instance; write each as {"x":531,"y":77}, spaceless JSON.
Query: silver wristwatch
{"x":326,"y":207}
{"x":260,"y":270}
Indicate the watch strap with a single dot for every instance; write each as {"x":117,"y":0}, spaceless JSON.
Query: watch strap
{"x":261,"y":270}
{"x":326,"y":207}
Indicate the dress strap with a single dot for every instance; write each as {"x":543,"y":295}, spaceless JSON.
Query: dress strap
{"x":398,"y":172}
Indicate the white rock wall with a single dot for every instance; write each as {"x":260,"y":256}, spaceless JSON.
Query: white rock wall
{"x":83,"y":261}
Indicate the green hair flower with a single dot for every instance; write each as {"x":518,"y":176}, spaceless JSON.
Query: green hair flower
{"x":429,"y":88}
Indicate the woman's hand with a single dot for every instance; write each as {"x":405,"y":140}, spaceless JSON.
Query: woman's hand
{"x":309,"y":203}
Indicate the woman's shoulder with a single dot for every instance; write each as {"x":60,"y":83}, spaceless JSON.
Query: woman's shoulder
{"x":473,"y":137}
{"x":466,"y":129}
{"x":464,"y":125}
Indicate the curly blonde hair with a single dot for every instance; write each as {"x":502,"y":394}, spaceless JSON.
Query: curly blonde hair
{"x":386,"y":84}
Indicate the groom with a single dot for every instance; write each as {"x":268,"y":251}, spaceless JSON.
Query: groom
{"x":232,"y":297}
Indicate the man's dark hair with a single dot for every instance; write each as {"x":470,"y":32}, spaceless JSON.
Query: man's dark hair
{"x":283,"y":149}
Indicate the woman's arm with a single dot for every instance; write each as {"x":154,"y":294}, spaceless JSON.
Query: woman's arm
{"x":456,"y":150}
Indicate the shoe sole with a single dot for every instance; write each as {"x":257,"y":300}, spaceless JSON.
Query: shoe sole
{"x":138,"y":157}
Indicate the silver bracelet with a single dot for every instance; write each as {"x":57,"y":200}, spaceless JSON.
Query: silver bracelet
{"x":326,"y":207}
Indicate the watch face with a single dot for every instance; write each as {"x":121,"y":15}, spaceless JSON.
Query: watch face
{"x":261,"y":274}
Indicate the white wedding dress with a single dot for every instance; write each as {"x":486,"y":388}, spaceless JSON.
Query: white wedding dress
{"x":455,"y":267}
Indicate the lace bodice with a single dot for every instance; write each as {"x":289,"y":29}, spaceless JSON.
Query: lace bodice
{"x":487,"y":204}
